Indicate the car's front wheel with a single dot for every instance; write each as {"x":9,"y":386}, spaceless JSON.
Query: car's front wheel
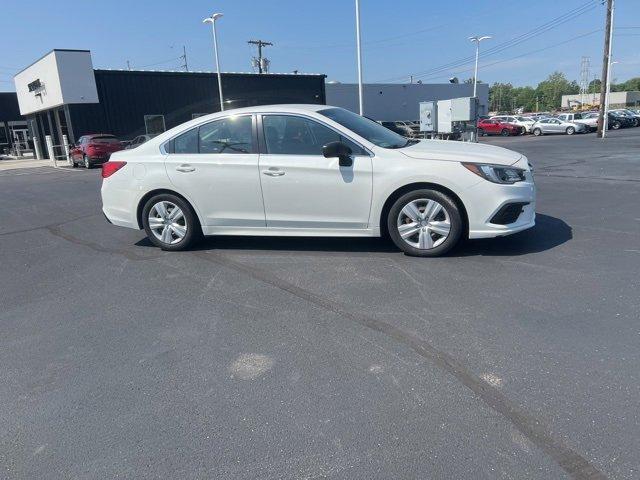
{"x":481,"y":132}
{"x":86,"y":161}
{"x":504,"y":132}
{"x":537,"y":132}
{"x":170,"y":222}
{"x":425,"y":223}
{"x":571,"y":130}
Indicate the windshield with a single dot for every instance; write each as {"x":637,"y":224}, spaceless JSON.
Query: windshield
{"x":368,"y":129}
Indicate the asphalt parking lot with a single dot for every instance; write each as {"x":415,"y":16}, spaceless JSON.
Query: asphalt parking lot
{"x":326,"y":358}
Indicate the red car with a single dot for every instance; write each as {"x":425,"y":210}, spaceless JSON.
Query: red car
{"x":492,"y":126}
{"x":94,"y":149}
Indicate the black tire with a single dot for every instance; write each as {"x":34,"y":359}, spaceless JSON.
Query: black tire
{"x":452,"y":210}
{"x":73,"y":163}
{"x":481,"y":132}
{"x":571,"y":130}
{"x":537,"y":132}
{"x":87,"y":162}
{"x":504,"y":132}
{"x":615,"y":125}
{"x":194,"y":231}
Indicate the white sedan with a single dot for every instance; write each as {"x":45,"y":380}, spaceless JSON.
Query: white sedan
{"x":315,"y":170}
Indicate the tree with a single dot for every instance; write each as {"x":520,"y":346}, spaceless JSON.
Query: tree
{"x":550,"y":91}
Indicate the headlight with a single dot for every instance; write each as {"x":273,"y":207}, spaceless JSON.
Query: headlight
{"x":496,"y":173}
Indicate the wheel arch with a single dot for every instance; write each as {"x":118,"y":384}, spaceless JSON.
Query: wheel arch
{"x":160,"y":191}
{"x":418,"y":186}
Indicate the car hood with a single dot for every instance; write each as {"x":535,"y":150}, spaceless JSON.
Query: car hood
{"x":461,"y":152}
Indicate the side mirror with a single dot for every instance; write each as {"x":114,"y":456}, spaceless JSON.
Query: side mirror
{"x":340,"y":150}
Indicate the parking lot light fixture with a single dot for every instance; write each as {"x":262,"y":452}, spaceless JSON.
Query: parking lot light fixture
{"x":477,"y":40}
{"x":212,"y":20}
{"x":359,"y":54}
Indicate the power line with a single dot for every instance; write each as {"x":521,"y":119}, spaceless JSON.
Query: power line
{"x":555,"y":22}
{"x":557,"y":44}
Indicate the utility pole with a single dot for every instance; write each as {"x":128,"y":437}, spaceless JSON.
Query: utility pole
{"x":260,"y":44}
{"x":128,"y":65}
{"x":184,"y":59}
{"x":606,"y":69}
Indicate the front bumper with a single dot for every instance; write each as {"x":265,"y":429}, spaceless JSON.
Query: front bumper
{"x":485,"y":201}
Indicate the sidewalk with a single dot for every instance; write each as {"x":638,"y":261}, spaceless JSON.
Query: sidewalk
{"x":12,"y":163}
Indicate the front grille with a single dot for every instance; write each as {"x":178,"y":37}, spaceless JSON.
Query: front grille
{"x":509,"y":213}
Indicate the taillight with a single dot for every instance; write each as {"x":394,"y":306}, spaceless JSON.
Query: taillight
{"x":109,"y":168}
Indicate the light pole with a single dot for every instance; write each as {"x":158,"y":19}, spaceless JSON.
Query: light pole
{"x":607,"y":100}
{"x":359,"y":53}
{"x":212,"y":20}
{"x":477,"y":40}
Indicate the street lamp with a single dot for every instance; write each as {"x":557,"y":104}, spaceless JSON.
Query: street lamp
{"x":212,"y":20}
{"x":475,"y":71}
{"x":607,"y":96}
{"x":476,"y":39}
{"x":359,"y":53}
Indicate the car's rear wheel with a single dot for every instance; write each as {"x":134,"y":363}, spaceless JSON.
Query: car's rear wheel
{"x":425,"y":223}
{"x":86,"y":161}
{"x":504,"y":132}
{"x":571,"y":130}
{"x":537,"y":132}
{"x":170,"y":222}
{"x":615,"y":125}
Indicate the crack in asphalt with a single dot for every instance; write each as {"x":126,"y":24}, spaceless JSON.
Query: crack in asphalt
{"x":568,"y":459}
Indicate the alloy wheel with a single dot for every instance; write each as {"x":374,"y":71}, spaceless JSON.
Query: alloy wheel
{"x":167,"y":222}
{"x":424,"y":224}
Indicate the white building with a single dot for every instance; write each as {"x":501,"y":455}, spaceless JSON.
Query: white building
{"x":616,"y":99}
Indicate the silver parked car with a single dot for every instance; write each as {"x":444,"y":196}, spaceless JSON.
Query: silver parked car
{"x":555,"y":125}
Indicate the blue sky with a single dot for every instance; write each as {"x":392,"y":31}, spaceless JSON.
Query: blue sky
{"x":400,"y":37}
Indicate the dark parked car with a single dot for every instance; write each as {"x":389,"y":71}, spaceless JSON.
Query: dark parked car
{"x":94,"y":149}
{"x":492,"y":126}
{"x":633,"y":116}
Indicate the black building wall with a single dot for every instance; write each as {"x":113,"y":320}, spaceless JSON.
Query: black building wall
{"x":127,"y":96}
{"x":9,"y":110}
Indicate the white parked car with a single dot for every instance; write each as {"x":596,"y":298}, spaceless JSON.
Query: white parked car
{"x":524,"y":122}
{"x":314,"y":170}
{"x":578,"y":117}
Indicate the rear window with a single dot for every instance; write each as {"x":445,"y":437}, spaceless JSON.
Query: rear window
{"x":104,"y":139}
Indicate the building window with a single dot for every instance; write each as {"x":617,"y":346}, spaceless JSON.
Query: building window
{"x":154,"y":124}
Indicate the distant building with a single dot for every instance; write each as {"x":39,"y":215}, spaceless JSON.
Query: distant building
{"x":616,"y":100}
{"x":391,"y":101}
{"x":62,"y":94}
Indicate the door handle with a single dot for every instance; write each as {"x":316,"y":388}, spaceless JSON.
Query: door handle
{"x":185,"y":168}
{"x":273,"y":172}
